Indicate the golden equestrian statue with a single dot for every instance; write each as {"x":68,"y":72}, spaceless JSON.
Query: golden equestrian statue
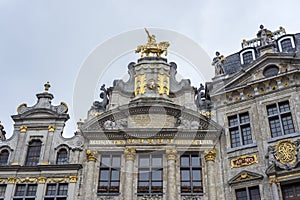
{"x":153,"y":47}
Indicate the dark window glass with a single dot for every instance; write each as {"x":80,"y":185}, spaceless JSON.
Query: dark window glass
{"x":291,"y":191}
{"x":4,"y":157}
{"x":239,"y":129}
{"x":25,"y":191}
{"x":280,"y":119}
{"x":249,"y":193}
{"x":270,"y":71}
{"x":62,"y":157}
{"x":56,"y":191}
{"x":109,"y":175}
{"x":150,"y":179}
{"x":2,"y":190}
{"x":286,"y":45}
{"x":33,"y":153}
{"x":248,"y":57}
{"x":191,"y":173}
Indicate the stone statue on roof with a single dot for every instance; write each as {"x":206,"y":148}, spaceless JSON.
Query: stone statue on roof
{"x":218,"y":63}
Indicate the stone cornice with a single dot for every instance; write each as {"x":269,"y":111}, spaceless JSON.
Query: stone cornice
{"x":40,"y":168}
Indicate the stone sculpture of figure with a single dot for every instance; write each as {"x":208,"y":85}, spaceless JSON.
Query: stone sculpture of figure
{"x":218,"y":64}
{"x":200,"y":97}
{"x":101,"y":106}
{"x":2,"y":132}
{"x":264,"y":35}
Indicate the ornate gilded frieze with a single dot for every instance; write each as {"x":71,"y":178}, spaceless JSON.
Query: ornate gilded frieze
{"x":140,"y":84}
{"x":163,"y":84}
{"x":39,"y":180}
{"x":245,"y":160}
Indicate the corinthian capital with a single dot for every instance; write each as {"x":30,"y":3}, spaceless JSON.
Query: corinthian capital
{"x":129,"y":153}
{"x":91,"y":155}
{"x":210,"y":155}
{"x":171,"y":153}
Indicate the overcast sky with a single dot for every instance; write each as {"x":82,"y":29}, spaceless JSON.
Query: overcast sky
{"x":49,"y":40}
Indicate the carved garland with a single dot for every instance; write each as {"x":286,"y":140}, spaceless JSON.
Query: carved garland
{"x":39,"y":180}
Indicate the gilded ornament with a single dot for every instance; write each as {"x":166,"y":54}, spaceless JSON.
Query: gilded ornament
{"x":23,"y":129}
{"x":73,"y":179}
{"x":11,"y":180}
{"x":171,"y":153}
{"x":244,"y":176}
{"x":210,"y":155}
{"x":57,"y":180}
{"x":140,"y":84}
{"x":129,"y":153}
{"x":91,"y":155}
{"x":163,"y":84}
{"x":242,"y":161}
{"x":41,"y":180}
{"x":51,"y":128}
{"x":286,"y":152}
{"x":27,"y":180}
{"x":153,"y":47}
{"x":2,"y":181}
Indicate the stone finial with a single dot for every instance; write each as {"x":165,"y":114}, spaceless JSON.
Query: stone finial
{"x":47,"y":86}
{"x":91,"y":155}
{"x":129,"y":153}
{"x":210,"y":155}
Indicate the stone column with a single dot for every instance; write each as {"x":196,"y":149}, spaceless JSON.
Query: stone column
{"x":171,"y":182}
{"x":210,"y":157}
{"x":129,"y":170}
{"x":89,"y":183}
{"x":274,"y":184}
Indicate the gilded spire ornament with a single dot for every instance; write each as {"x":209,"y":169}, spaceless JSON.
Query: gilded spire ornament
{"x":47,"y":86}
{"x":153,"y":47}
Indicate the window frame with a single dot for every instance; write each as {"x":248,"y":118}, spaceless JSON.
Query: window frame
{"x":246,"y":51}
{"x":190,"y":168}
{"x":291,"y":186}
{"x":25,"y":196}
{"x":2,"y":190}
{"x":35,"y":154}
{"x":1,"y":158}
{"x":56,"y":196}
{"x":239,"y":127}
{"x":279,"y":115}
{"x":66,"y":159}
{"x":284,"y":38}
{"x":152,"y":190}
{"x":248,"y":193}
{"x":110,"y":189}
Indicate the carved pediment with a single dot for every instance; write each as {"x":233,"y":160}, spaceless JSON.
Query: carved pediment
{"x":244,"y":176}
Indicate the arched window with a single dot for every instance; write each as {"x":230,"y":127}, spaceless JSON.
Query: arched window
{"x":247,"y":56}
{"x":286,"y":44}
{"x":62,"y":157}
{"x":4,"y":157}
{"x":33,"y":153}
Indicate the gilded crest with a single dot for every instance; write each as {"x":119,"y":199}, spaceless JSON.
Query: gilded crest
{"x":286,"y":152}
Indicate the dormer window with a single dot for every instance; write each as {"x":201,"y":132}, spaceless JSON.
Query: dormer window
{"x":247,"y":56}
{"x":286,"y":44}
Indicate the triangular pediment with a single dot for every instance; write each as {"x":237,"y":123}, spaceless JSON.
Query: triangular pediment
{"x":244,"y":176}
{"x":254,"y":72}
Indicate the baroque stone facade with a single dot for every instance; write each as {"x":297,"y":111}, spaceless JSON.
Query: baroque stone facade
{"x":152,"y":137}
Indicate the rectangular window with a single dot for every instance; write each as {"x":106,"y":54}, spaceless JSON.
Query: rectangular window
{"x":2,"y":191}
{"x":109,"y":178}
{"x":239,"y":129}
{"x":249,"y":193}
{"x":191,"y":173}
{"x":25,"y":192}
{"x":286,"y":45}
{"x":280,"y":119}
{"x":247,"y":57}
{"x":56,"y":191}
{"x":150,"y":179}
{"x":291,"y":191}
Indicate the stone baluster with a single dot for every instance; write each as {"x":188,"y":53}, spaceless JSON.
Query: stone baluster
{"x":171,"y":183}
{"x":210,"y":157}
{"x":129,"y":170}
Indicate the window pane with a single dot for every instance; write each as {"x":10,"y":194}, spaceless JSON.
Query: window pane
{"x":286,"y":45}
{"x":156,"y":162}
{"x":195,"y":161}
{"x":233,"y":121}
{"x":254,"y":193}
{"x":20,"y":190}
{"x":157,"y":175}
{"x":144,"y":162}
{"x":31,"y":190}
{"x":287,"y":124}
{"x":33,"y":153}
{"x":104,"y":174}
{"x":235,"y":138}
{"x":244,"y":118}
{"x":241,"y":194}
{"x":196,"y":175}
{"x":185,"y":161}
{"x":144,"y":175}
{"x":62,"y":157}
{"x":116,"y":161}
{"x":185,"y":175}
{"x":2,"y":190}
{"x":51,"y":189}
{"x":4,"y":157}
{"x":272,"y":110}
{"x":63,"y":189}
{"x":115,"y":175}
{"x":247,"y":57}
{"x":105,"y":161}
